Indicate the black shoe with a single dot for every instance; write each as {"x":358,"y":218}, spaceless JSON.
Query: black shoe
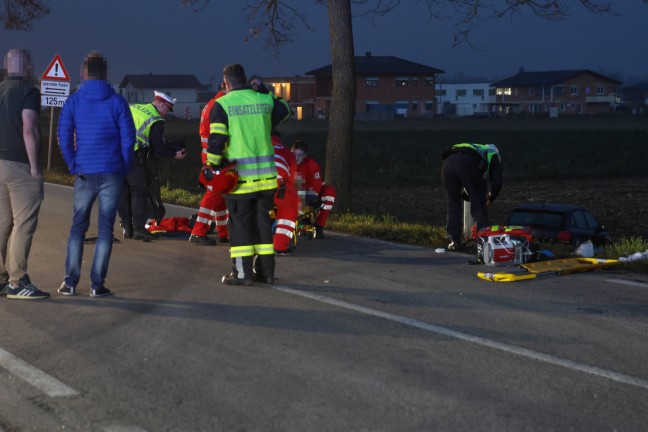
{"x":143,"y":234}
{"x":319,"y":232}
{"x":223,"y":240}
{"x":456,"y":245}
{"x":66,"y":289}
{"x":231,"y":279}
{"x":202,"y":240}
{"x":25,"y":291}
{"x":283,"y":252}
{"x":258,"y":277}
{"x":127,"y":230}
{"x":100,"y":292}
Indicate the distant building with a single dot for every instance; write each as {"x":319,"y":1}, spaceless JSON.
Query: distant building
{"x":299,"y":91}
{"x":635,"y":97}
{"x":467,"y":99}
{"x":562,"y":92}
{"x":191,"y":95}
{"x":387,"y":87}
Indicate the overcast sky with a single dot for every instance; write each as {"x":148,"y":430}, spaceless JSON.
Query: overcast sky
{"x":158,"y":36}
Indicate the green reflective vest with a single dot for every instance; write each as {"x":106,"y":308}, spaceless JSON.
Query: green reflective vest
{"x":144,"y":115}
{"x":485,"y":151}
{"x":249,"y":117}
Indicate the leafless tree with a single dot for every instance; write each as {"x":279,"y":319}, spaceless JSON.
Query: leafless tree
{"x":278,"y":19}
{"x":20,"y":14}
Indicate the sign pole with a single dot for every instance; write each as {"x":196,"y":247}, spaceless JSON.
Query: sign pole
{"x":49,"y":150}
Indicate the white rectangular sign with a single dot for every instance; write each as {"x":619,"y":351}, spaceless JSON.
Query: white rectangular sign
{"x":53,"y":101}
{"x":55,"y":88}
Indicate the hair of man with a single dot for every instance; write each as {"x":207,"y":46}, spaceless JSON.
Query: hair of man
{"x":234,"y":74}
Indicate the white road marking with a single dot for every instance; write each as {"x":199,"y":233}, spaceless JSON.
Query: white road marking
{"x":36,"y":377}
{"x":524,"y":352}
{"x":627,"y":282}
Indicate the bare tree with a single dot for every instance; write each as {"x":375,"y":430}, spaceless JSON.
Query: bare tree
{"x":278,"y":20}
{"x":20,"y":14}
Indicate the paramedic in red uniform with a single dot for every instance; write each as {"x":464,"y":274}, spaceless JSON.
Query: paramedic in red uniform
{"x":212,"y":205}
{"x":312,"y":190}
{"x":470,"y":167}
{"x":286,"y":198}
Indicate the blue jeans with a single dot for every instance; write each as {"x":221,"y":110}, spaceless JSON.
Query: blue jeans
{"x":107,"y":188}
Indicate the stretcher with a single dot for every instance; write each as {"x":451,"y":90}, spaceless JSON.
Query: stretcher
{"x":553,"y":267}
{"x":306,"y":222}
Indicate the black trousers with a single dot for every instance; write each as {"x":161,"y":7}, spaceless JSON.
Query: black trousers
{"x":250,"y":227}
{"x":461,"y":171}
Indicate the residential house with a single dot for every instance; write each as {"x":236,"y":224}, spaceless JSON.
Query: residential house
{"x":298,"y":91}
{"x":466,"y":99}
{"x":635,"y":97}
{"x":561,"y":92}
{"x":387,"y":87}
{"x":191,"y":95}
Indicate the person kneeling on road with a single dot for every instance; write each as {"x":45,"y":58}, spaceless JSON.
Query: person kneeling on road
{"x":312,"y":189}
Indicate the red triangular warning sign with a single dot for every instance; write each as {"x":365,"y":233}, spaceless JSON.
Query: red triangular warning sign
{"x":56,"y":71}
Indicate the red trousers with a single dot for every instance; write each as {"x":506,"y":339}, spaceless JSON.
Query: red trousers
{"x":212,"y":208}
{"x":286,"y":220}
{"x":327,"y":196}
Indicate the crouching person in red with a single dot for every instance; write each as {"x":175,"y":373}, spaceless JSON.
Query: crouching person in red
{"x":312,"y":190}
{"x":286,"y":199}
{"x":212,"y":205}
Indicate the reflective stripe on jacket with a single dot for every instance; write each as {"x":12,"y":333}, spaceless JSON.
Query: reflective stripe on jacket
{"x":144,"y":115}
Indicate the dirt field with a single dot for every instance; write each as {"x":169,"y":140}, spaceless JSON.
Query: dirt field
{"x":620,"y":204}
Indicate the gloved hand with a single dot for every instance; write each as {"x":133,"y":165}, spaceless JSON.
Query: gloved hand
{"x":208,"y":172}
{"x":491,"y":198}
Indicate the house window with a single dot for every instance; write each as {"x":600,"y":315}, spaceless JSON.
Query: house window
{"x":562,"y":107}
{"x":531,"y":91}
{"x":414,"y":82}
{"x":587,"y":90}
{"x":478,"y":93}
{"x":441,"y":92}
{"x":573,"y":90}
{"x":371,"y":82}
{"x":132,"y":96}
{"x":429,"y":82}
{"x":491,"y":91}
{"x":371,"y":105}
{"x":429,"y":105}
{"x":460,"y":93}
{"x":558,"y":91}
{"x":506,"y":91}
{"x":414,"y":105}
{"x":402,"y":82}
{"x":600,"y":91}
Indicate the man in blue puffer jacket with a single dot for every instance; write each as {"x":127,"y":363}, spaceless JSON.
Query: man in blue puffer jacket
{"x":99,"y":157}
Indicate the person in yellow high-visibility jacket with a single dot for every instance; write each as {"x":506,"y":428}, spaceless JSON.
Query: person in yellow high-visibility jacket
{"x":240,"y":125}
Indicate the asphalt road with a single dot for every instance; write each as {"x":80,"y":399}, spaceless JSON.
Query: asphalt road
{"x":357,"y":335}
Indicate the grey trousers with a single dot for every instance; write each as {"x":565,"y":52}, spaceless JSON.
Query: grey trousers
{"x":20,"y":200}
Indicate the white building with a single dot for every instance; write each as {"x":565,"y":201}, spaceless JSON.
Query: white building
{"x":191,"y":95}
{"x":467,"y":99}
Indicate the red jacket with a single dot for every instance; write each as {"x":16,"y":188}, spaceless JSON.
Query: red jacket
{"x":309,"y":178}
{"x":204,"y":125}
{"x":286,"y":169}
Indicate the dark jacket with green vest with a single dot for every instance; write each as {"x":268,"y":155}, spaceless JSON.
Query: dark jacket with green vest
{"x":490,"y":163}
{"x":240,"y":125}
